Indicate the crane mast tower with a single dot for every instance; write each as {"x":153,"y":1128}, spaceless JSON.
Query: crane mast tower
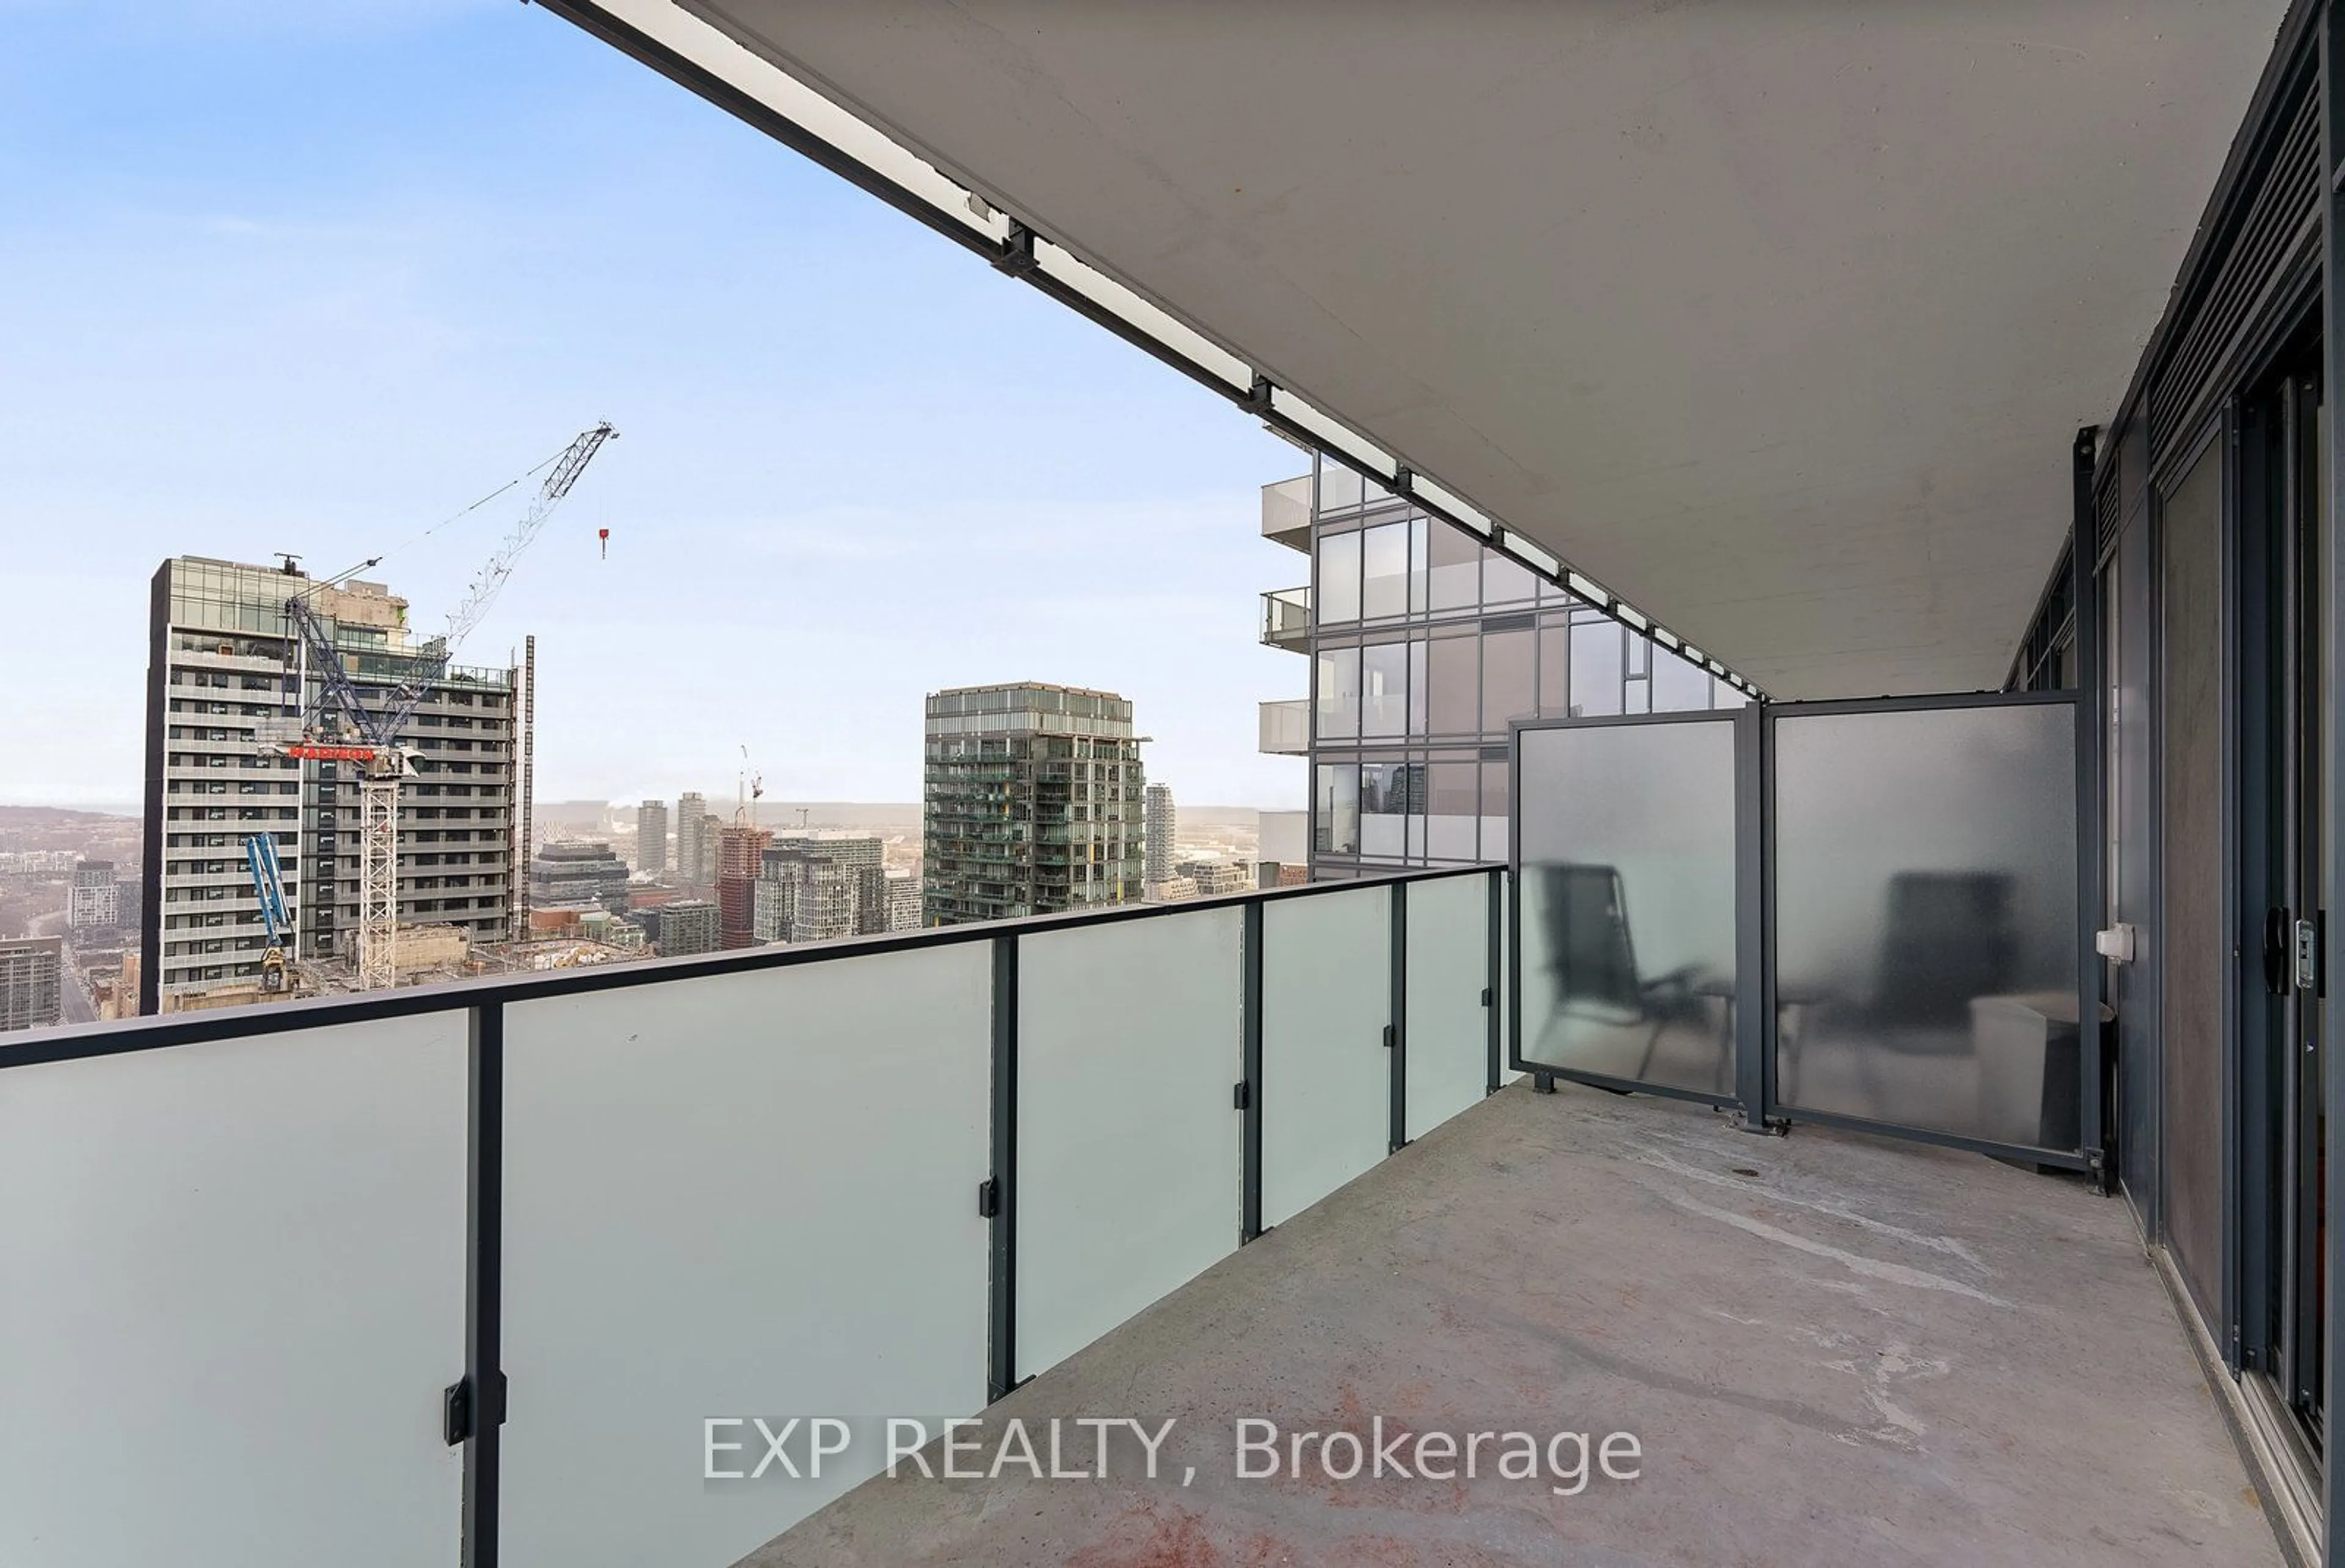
{"x":345,"y":726}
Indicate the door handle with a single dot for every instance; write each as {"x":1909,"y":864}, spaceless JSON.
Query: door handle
{"x":2278,"y":955}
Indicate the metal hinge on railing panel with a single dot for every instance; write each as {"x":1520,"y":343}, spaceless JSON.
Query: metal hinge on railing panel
{"x":989,"y":1197}
{"x":458,"y":1416}
{"x":1242,"y":1095}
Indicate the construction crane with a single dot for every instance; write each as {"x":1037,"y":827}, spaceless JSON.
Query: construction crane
{"x":269,"y":886}
{"x":343,"y":726}
{"x":753,"y":789}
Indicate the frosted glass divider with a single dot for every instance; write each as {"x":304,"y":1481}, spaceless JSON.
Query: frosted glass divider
{"x":1326,"y":1080}
{"x":1128,"y":1141}
{"x":1926,"y":922}
{"x":739,"y":1195}
{"x":1445,"y":1065}
{"x":231,"y":1291}
{"x":1626,"y":849}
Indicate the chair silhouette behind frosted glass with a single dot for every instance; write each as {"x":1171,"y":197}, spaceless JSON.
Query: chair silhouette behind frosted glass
{"x":1591,"y":957}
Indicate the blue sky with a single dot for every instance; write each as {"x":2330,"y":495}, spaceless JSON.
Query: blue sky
{"x":297,"y":274}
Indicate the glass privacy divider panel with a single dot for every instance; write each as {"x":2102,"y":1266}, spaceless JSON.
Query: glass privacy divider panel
{"x":1326,"y":1080}
{"x":1447,"y":1059}
{"x":1628,"y":901}
{"x":244,"y":1329}
{"x":1925,"y":919}
{"x":1128,"y":1141}
{"x":748,"y":1195}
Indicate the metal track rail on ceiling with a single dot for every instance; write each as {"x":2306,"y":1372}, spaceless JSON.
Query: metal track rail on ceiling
{"x":697,"y":56}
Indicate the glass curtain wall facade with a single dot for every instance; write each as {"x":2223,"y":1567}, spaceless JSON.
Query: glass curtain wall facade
{"x":1031,"y":804}
{"x":1424,"y":645}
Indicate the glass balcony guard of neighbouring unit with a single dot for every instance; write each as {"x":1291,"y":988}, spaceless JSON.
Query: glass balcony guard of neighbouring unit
{"x":1285,"y":727}
{"x":1287,"y":618}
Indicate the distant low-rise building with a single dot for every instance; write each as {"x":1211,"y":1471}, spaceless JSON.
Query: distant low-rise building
{"x":1215,"y":877}
{"x":687,"y":926}
{"x":579,"y":871}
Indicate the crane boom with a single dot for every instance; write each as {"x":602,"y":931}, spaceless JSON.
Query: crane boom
{"x":269,"y":888}
{"x":378,"y":727}
{"x":467,"y":616}
{"x":381,"y":726}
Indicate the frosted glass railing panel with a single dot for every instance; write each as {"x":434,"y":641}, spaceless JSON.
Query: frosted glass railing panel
{"x":1925,"y":933}
{"x":744,"y":1196}
{"x":1448,"y":1063}
{"x":1628,"y":901}
{"x":231,"y":1291}
{"x":1326,"y":1079}
{"x":1128,"y":1148}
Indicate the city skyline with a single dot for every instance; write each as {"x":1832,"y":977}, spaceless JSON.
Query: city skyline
{"x":330,"y":342}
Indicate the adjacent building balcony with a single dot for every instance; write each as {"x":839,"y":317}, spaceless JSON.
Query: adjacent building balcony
{"x":1287,"y":513}
{"x":1286,"y":619}
{"x":1286,"y":728}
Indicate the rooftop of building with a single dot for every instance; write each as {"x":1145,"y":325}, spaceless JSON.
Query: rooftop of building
{"x":577,"y":849}
{"x":1022,"y":688}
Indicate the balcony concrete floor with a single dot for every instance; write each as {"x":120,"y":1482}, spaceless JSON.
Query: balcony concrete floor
{"x":1834,"y":1350}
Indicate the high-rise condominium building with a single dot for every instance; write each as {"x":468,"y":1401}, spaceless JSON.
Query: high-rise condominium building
{"x":740,"y":856}
{"x":1162,"y":830}
{"x":228,"y":676}
{"x":1031,"y":801}
{"x":902,"y":891}
{"x":651,"y":837}
{"x":32,"y":982}
{"x":93,"y":901}
{"x":690,"y":817}
{"x":815,"y":888}
{"x":1423,"y":644}
{"x":711,"y":856}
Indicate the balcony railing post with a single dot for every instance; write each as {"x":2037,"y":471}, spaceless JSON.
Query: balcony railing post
{"x":476,"y":1404}
{"x":1250,"y":1052}
{"x":1001,"y":1203}
{"x":1396,"y":1030}
{"x":1492,"y":998}
{"x":1754,"y":1005}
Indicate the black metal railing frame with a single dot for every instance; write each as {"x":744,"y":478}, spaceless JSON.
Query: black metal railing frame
{"x":474,"y":1407}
